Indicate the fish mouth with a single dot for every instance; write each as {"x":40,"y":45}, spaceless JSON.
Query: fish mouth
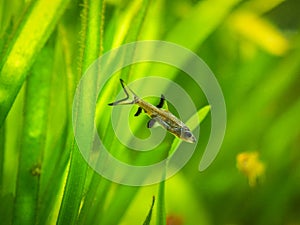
{"x":192,"y":139}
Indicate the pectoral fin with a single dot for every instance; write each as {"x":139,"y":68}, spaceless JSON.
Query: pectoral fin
{"x":152,"y":123}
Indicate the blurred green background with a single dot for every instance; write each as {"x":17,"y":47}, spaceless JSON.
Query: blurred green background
{"x":251,"y":46}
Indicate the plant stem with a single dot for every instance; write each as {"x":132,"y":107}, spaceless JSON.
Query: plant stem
{"x":2,"y":139}
{"x":90,"y":49}
{"x":161,"y":207}
{"x":33,"y":139}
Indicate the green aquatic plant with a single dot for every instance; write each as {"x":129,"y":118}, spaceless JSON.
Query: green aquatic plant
{"x":47,"y":46}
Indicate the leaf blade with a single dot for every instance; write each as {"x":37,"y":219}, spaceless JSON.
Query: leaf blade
{"x":30,"y":38}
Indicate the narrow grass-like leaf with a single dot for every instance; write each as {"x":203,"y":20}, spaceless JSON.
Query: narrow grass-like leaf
{"x":11,"y":14}
{"x":161,"y":205}
{"x":161,"y":211}
{"x":204,"y":18}
{"x":277,"y":147}
{"x":5,"y":208}
{"x":92,"y":31}
{"x":100,"y":187}
{"x":57,"y":153}
{"x":132,"y":34}
{"x":33,"y":139}
{"x":268,"y":90}
{"x":134,"y":31}
{"x":13,"y":134}
{"x":118,"y":205}
{"x":2,"y":139}
{"x":129,"y":26}
{"x":53,"y":180}
{"x":137,"y":22}
{"x":90,"y":48}
{"x":73,"y":189}
{"x":260,"y":31}
{"x":260,"y":7}
{"x":148,"y":218}
{"x":275,"y":141}
{"x":31,"y":36}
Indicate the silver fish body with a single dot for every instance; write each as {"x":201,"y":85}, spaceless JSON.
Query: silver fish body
{"x":158,"y":115}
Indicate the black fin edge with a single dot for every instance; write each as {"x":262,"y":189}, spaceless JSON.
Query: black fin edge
{"x":138,"y":112}
{"x":161,"y":102}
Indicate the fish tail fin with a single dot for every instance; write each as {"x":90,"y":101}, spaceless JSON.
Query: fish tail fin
{"x":126,"y":100}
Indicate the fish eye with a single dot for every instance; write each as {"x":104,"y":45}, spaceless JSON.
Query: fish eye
{"x":188,"y":134}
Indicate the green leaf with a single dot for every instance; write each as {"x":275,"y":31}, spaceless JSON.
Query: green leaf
{"x":124,"y":195}
{"x":161,"y":205}
{"x":33,"y":138}
{"x":192,"y":123}
{"x":30,"y":37}
{"x":90,"y":50}
{"x":2,"y":139}
{"x":203,"y":19}
{"x":148,"y":218}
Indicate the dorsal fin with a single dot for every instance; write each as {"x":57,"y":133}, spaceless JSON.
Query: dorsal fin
{"x":161,"y":102}
{"x":138,"y":112}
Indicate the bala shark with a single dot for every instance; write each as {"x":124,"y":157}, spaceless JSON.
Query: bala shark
{"x":157,"y":114}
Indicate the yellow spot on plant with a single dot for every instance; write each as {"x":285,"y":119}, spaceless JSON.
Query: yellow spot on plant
{"x":250,"y":165}
{"x":260,"y":32}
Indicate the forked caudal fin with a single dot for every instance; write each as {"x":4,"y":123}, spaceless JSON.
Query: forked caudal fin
{"x":126,"y":100}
